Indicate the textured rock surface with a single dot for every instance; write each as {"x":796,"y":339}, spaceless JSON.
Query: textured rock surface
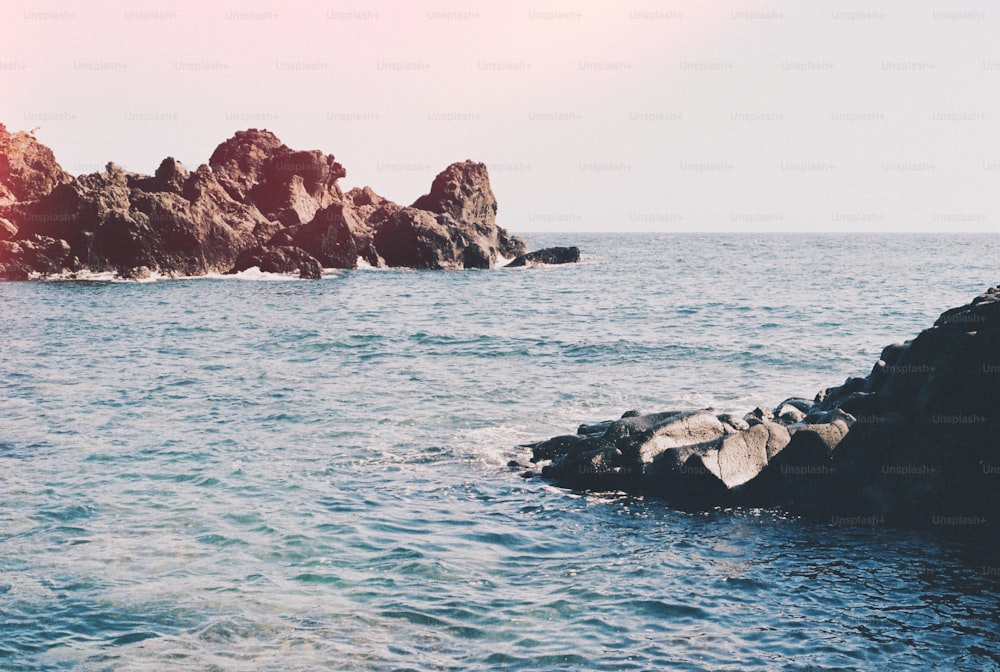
{"x":279,"y":260}
{"x":28,"y":169}
{"x":915,"y":443}
{"x":548,"y":255}
{"x":255,"y":193}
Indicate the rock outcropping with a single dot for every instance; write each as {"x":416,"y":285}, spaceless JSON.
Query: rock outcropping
{"x":915,"y":443}
{"x":547,"y":256}
{"x":257,"y":200}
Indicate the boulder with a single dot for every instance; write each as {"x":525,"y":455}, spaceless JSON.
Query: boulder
{"x":549,"y":255}
{"x":45,"y":255}
{"x":732,"y":459}
{"x":680,"y":455}
{"x":12,"y":264}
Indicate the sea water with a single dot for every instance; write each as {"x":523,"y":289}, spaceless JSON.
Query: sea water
{"x":263,"y":473}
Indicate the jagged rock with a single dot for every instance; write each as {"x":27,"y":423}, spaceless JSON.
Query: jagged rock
{"x":329,"y":236}
{"x":549,"y":255}
{"x":668,"y":453}
{"x":791,"y":411}
{"x":45,"y":255}
{"x":477,"y":256}
{"x":286,"y":185}
{"x":294,"y":186}
{"x":680,"y":429}
{"x":914,"y":443}
{"x":255,"y":192}
{"x":732,"y":459}
{"x":238,"y":163}
{"x":28,"y":169}
{"x":462,"y":191}
{"x":279,"y":260}
{"x":510,"y":246}
{"x":170,"y":176}
{"x":12,"y":265}
{"x":464,"y":233}
{"x":413,"y":238}
{"x":119,"y":221}
{"x":831,"y":395}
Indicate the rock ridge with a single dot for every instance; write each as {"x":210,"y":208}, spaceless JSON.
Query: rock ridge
{"x":915,"y":443}
{"x":256,"y":201}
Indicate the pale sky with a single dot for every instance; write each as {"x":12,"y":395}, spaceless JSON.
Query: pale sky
{"x":645,"y":115}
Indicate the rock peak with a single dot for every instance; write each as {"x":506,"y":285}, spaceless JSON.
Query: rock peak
{"x":28,"y":169}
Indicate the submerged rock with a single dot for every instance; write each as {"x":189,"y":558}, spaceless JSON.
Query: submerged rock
{"x":914,"y":443}
{"x":548,"y":255}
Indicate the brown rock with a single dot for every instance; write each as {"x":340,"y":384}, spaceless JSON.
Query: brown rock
{"x":284,"y":259}
{"x":239,"y":161}
{"x":28,"y":169}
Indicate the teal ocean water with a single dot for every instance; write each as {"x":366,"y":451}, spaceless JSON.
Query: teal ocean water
{"x":260,"y":473}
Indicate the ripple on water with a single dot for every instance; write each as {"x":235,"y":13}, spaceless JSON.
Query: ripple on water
{"x":242,"y":475}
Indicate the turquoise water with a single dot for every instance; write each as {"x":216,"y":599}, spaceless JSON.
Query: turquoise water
{"x":273,"y":474}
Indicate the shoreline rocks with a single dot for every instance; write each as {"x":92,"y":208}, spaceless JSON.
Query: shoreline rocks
{"x":916,"y":443}
{"x":256,"y":199}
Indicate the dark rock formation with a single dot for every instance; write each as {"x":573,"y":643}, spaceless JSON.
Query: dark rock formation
{"x":329,"y":236}
{"x":255,"y":193}
{"x":915,"y":443}
{"x":414,"y":238}
{"x":172,"y":223}
{"x":548,"y":255}
{"x":453,"y":226}
{"x":38,"y":254}
{"x":279,"y":260}
{"x":238,"y":163}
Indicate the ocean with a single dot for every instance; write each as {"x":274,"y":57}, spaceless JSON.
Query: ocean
{"x":263,"y":473}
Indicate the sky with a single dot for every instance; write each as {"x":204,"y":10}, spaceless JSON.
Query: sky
{"x":636,"y":115}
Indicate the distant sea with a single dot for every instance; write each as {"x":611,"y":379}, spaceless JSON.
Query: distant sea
{"x":263,"y":473}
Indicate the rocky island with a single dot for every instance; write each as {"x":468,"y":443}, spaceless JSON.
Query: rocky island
{"x":915,"y":443}
{"x":256,"y":203}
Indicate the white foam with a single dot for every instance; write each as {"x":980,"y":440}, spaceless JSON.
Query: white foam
{"x":255,"y":274}
{"x":153,"y":276}
{"x":364,"y":265}
{"x":494,"y":446}
{"x":503,"y":261}
{"x":103,"y":276}
{"x":252,"y":274}
{"x":83,"y":276}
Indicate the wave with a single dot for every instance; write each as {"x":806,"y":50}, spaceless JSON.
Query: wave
{"x":251,"y":274}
